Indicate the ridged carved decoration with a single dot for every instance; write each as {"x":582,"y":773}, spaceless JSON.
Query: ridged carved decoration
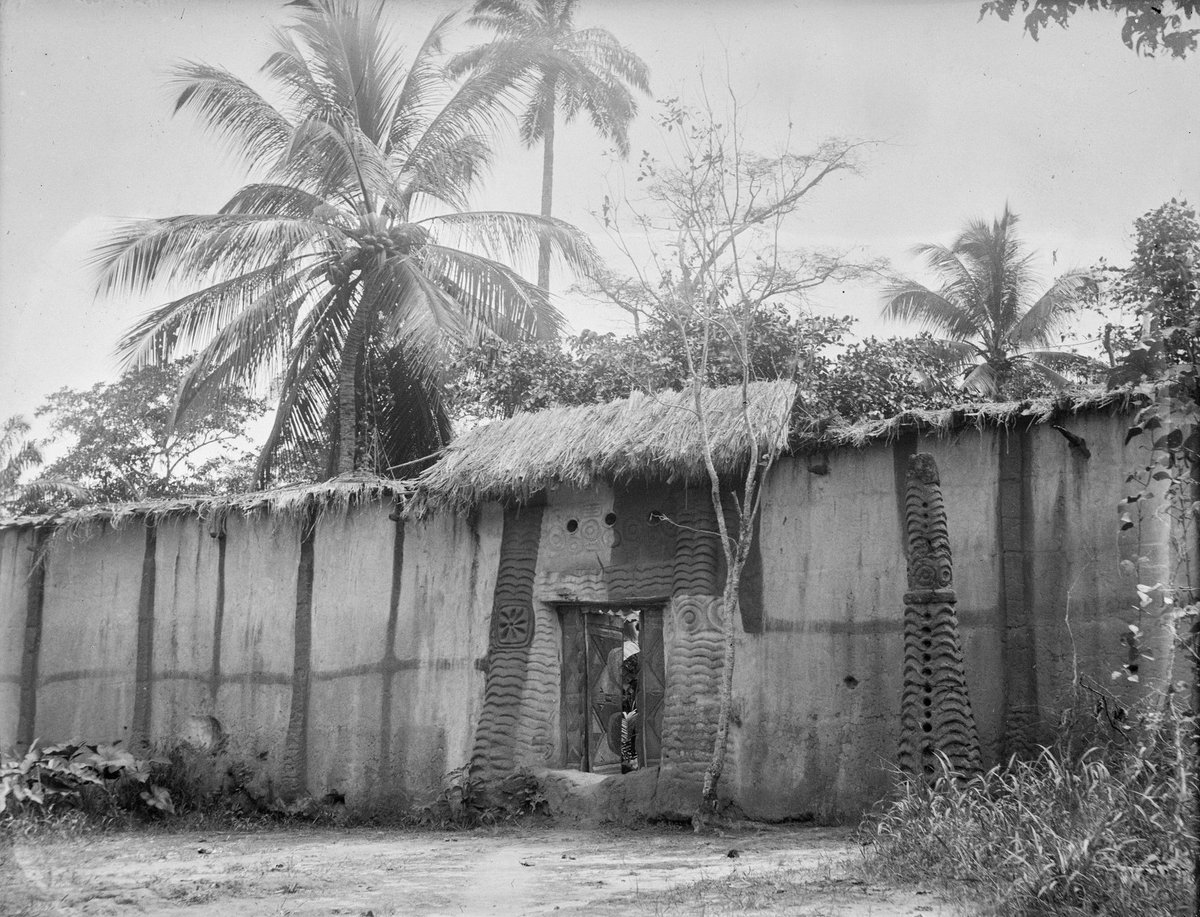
{"x":513,"y":632}
{"x":697,"y":550}
{"x":935,"y":709}
{"x":695,"y":648}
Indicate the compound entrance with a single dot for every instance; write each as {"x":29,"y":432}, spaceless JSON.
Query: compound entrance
{"x":612,"y":695}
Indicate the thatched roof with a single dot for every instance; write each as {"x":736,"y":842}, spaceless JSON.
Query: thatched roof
{"x":337,"y":494}
{"x":824,"y":436}
{"x":657,"y":438}
{"x":650,"y":437}
{"x":642,"y":436}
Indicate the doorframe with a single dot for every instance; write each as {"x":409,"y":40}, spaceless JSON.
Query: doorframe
{"x":558,"y":611}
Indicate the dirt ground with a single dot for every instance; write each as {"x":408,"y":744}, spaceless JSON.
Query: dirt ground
{"x":499,"y":871}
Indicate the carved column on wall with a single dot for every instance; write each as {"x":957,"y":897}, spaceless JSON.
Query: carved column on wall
{"x":935,"y":709}
{"x":513,"y":625}
{"x":694,"y":646}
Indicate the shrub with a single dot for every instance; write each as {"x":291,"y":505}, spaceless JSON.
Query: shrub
{"x":101,"y":779}
{"x":1104,"y":831}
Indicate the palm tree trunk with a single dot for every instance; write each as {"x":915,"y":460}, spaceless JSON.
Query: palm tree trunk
{"x":547,"y":118}
{"x":346,"y":443}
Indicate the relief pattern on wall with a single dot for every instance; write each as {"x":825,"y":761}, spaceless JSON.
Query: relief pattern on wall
{"x":935,"y":709}
{"x":694,"y":645}
{"x":513,"y":632}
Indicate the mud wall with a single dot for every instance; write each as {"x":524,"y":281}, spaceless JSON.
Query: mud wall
{"x":364,"y":655}
{"x":1042,"y":600}
{"x":336,"y":652}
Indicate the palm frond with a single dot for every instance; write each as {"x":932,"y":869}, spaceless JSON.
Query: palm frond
{"x":1050,"y":314}
{"x":492,"y":296}
{"x":909,"y":301}
{"x":198,"y":249}
{"x":233,"y":111}
{"x":179,"y":326}
{"x":516,"y":236}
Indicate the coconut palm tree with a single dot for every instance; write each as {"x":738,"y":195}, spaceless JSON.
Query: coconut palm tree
{"x":19,"y":454}
{"x":345,"y":269}
{"x":988,"y":309}
{"x":560,"y":69}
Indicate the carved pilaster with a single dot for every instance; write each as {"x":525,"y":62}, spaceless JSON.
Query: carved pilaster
{"x":935,"y":709}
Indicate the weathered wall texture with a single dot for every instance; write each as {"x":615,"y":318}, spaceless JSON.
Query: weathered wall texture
{"x":358,"y":654}
{"x":87,"y":665}
{"x":1041,"y":596}
{"x":16,"y":560}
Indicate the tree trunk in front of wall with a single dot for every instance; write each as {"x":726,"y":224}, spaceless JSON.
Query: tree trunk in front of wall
{"x":346,"y":442}
{"x":547,"y":116}
{"x":716,"y":767}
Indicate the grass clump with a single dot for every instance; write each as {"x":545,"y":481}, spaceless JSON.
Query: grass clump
{"x":1106,"y":830}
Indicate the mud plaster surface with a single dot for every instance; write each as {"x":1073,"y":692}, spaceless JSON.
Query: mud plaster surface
{"x":801,"y":871}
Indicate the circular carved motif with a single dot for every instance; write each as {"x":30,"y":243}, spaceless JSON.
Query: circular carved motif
{"x":514,"y":627}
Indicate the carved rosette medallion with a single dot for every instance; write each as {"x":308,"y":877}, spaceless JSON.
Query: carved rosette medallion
{"x":514,"y":626}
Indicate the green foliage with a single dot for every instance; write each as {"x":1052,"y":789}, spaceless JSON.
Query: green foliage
{"x":1153,"y":305}
{"x":990,"y":314}
{"x":101,"y":779}
{"x":349,"y":262}
{"x":1103,"y":832}
{"x":124,"y":445}
{"x":872,"y":378}
{"x":1146,"y":28}
{"x":557,"y":69}
{"x":877,"y":378}
{"x":19,"y":455}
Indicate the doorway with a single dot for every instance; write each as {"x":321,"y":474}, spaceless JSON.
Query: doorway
{"x":612,"y":687}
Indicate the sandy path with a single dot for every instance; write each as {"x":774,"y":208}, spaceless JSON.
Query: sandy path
{"x":490,"y":872}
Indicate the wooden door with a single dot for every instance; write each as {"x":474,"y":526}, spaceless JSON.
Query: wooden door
{"x":595,"y":670}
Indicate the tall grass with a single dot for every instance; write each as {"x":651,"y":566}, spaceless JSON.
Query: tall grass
{"x":1107,"y":830}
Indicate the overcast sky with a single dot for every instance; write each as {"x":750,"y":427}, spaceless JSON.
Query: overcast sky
{"x":1075,"y":132}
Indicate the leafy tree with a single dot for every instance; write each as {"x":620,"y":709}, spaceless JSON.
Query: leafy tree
{"x":713,"y":222}
{"x":1161,"y":287}
{"x":986,"y":313}
{"x":874,"y":379}
{"x":20,"y":455}
{"x":349,"y":266}
{"x":122,"y":444}
{"x":1146,"y":28}
{"x":1154,"y":303}
{"x":866,"y":379}
{"x":501,"y":379}
{"x":560,"y":68}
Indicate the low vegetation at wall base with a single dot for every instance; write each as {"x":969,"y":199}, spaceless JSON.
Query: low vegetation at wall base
{"x":1106,"y":831}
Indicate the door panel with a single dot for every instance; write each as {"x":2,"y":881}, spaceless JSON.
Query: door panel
{"x":604,"y":692}
{"x":574,"y":691}
{"x":651,"y":685}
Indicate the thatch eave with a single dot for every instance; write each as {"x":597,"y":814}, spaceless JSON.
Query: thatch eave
{"x":518,"y":459}
{"x":337,"y":494}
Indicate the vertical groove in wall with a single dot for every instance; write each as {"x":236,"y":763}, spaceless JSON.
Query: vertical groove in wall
{"x":935,"y":708}
{"x":1020,"y":729}
{"x":295,"y":750}
{"x":214,"y":684}
{"x":35,"y":592}
{"x":512,"y":633}
{"x":389,"y":666}
{"x":904,"y":448}
{"x":144,"y":665}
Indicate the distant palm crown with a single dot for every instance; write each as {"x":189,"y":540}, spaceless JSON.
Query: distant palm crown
{"x":346,"y":270}
{"x":986,"y":307}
